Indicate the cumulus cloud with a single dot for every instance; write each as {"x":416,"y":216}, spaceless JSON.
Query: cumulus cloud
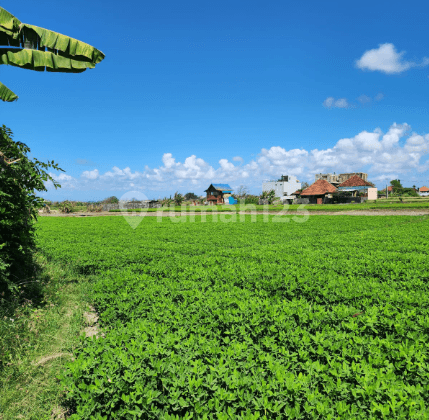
{"x":237,"y":159}
{"x":331,"y":102}
{"x":386,"y":59}
{"x":396,"y":152}
{"x":90,"y":174}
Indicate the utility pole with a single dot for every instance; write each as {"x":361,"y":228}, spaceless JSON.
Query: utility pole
{"x":387,"y":192}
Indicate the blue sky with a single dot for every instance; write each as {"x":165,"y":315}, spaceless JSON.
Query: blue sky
{"x":231,"y":92}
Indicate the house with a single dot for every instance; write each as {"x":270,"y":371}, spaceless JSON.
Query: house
{"x":318,"y":191}
{"x":355,"y":185}
{"x":283,"y":187}
{"x":424,"y":192}
{"x":218,"y":193}
{"x":336,"y":179}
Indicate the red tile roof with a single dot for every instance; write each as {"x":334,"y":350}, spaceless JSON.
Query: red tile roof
{"x":297,"y":192}
{"x":355,"y":181}
{"x":424,"y":189}
{"x":320,"y":187}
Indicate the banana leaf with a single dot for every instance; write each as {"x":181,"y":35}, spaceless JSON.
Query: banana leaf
{"x":30,"y":47}
{"x":6,"y":94}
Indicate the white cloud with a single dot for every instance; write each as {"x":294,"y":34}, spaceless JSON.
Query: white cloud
{"x":90,"y":174}
{"x":386,"y":59}
{"x":331,"y":102}
{"x":237,"y":159}
{"x":364,"y":99}
{"x":380,"y":154}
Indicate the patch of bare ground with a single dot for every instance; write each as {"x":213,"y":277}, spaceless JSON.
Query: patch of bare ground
{"x":91,"y":321}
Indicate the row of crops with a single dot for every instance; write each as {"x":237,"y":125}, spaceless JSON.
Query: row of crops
{"x":327,"y":319}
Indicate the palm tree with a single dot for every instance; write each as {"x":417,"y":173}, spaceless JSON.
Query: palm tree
{"x":34,"y":48}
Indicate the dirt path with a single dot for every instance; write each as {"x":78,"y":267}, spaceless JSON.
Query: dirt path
{"x":375,"y":212}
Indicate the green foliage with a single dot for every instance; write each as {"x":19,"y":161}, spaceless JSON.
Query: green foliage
{"x":396,"y":183}
{"x":396,"y":186}
{"x":409,"y":192}
{"x":269,"y":195}
{"x":111,"y":200}
{"x":34,"y":48}
{"x":251,"y":199}
{"x":178,"y":198}
{"x":20,"y":178}
{"x":324,"y":319}
{"x":191,"y":196}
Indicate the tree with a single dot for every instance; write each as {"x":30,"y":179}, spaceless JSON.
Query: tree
{"x":269,"y":195}
{"x":304,"y":185}
{"x":111,"y":200}
{"x":20,"y":177}
{"x":242,"y":191}
{"x":166,"y":201}
{"x":396,"y":186}
{"x":191,"y":196}
{"x":40,"y":49}
{"x":178,"y":198}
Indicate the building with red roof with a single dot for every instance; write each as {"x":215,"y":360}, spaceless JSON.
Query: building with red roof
{"x":354,"y":185}
{"x":424,"y":191}
{"x":318,"y":191}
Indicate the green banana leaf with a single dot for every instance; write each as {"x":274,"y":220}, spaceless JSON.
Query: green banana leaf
{"x":6,"y":94}
{"x":39,"y":49}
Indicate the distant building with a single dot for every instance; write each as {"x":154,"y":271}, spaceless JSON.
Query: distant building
{"x":218,"y":193}
{"x":424,"y":191}
{"x":284,"y":187}
{"x":355,"y":185}
{"x":318,"y":191}
{"x":336,"y":179}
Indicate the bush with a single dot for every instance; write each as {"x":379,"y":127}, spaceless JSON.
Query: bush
{"x":111,"y":200}
{"x":251,"y":199}
{"x":20,"y":177}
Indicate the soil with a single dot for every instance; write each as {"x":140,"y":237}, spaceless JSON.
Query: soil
{"x":91,"y":320}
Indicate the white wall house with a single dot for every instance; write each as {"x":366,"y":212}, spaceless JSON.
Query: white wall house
{"x":284,"y":187}
{"x":424,"y":192}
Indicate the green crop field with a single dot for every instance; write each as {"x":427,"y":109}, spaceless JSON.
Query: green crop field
{"x":327,"y":319}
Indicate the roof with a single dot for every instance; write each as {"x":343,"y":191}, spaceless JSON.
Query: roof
{"x":424,"y":189}
{"x":320,"y":187}
{"x":220,"y":187}
{"x":297,"y":192}
{"x":355,"y":181}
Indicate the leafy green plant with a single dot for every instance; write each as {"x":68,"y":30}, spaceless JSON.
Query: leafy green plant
{"x":324,"y":319}
{"x":20,"y":179}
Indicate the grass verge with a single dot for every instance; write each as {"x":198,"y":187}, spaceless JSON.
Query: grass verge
{"x":38,"y":334}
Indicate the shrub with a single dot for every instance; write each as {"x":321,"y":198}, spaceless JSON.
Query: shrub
{"x":20,"y":177}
